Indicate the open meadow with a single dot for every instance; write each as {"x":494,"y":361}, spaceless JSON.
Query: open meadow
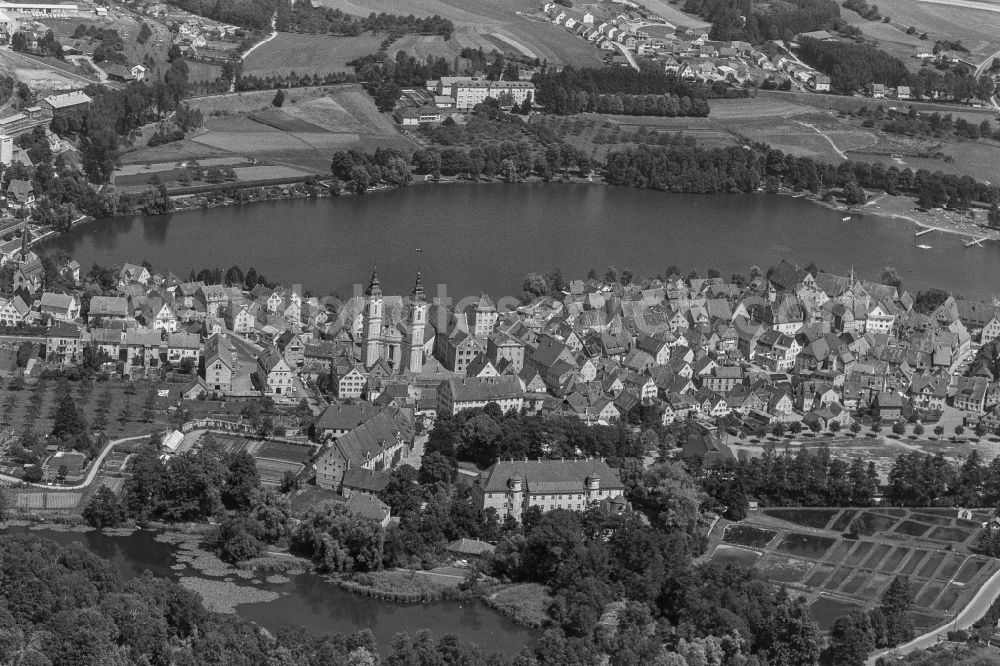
{"x":304,"y":133}
{"x":977,"y":28}
{"x":517,"y":26}
{"x":892,"y":38}
{"x":309,"y":54}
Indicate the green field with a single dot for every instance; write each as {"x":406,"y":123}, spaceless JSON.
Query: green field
{"x":977,"y":29}
{"x":517,"y":25}
{"x":309,"y":54}
{"x":303,"y":134}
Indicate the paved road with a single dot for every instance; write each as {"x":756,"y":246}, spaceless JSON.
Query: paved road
{"x":91,"y":475}
{"x":974,"y":610}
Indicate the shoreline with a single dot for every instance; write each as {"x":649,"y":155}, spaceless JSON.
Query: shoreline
{"x":889,"y":207}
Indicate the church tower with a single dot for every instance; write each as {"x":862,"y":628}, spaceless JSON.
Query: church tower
{"x":25,"y":243}
{"x":486,"y":317}
{"x":373,"y":322}
{"x":418,"y":319}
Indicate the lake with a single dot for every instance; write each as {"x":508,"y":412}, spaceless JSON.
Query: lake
{"x":488,"y":236}
{"x":310,"y":602}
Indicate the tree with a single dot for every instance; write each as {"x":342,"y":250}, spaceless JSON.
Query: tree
{"x":242,"y":483}
{"x":855,"y":427}
{"x":993,"y":217}
{"x":67,"y":420}
{"x":104,"y":509}
{"x":338,"y":541}
{"x":896,"y":602}
{"x":898,"y":428}
{"x":938,"y":430}
{"x":959,"y":430}
{"x":279,"y":98}
{"x":235,"y":542}
{"x":851,"y":639}
{"x":436,"y":468}
{"x":918,"y":429}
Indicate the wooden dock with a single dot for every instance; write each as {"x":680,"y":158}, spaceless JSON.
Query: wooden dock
{"x":922,"y":232}
{"x":975,"y":241}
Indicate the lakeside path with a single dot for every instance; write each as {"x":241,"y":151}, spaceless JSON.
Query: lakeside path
{"x":973,"y":610}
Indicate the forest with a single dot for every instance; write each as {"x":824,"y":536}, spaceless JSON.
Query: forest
{"x":309,"y":18}
{"x":252,"y":14}
{"x":735,"y":169}
{"x":852,"y":66}
{"x":782,"y":20}
{"x":650,"y":91}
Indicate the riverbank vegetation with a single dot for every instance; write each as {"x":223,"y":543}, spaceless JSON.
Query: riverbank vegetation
{"x":743,"y":169}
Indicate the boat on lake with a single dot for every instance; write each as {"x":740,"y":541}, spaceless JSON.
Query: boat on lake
{"x":924,"y":247}
{"x":846,"y":218}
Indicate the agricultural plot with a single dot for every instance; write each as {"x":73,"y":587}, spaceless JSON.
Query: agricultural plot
{"x":516,"y":26}
{"x":309,"y":54}
{"x":301,"y":135}
{"x":837,"y":573}
{"x":892,"y":39}
{"x":974,"y":27}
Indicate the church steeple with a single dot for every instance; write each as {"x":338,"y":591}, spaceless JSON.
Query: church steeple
{"x":418,"y":288}
{"x":373,"y":285}
{"x":25,"y":242}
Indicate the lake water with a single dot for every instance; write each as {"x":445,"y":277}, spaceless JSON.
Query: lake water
{"x":487,"y":237}
{"x":309,"y":601}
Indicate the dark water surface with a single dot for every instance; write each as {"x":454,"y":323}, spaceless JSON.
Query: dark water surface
{"x":487,"y":237}
{"x":311,"y":602}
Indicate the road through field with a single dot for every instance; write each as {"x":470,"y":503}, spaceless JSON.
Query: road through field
{"x":974,"y":610}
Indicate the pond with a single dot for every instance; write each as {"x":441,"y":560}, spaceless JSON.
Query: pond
{"x":309,"y":601}
{"x":806,"y":545}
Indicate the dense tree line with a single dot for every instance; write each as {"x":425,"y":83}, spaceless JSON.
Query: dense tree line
{"x":46,"y":45}
{"x":251,"y":82}
{"x":861,"y":7}
{"x":737,"y":169}
{"x":253,"y":14}
{"x":786,"y":479}
{"x":650,"y":91}
{"x":110,"y":45}
{"x":776,"y":21}
{"x":931,"y":124}
{"x":484,"y":436}
{"x":852,"y":66}
{"x":358,"y":170}
{"x":306,"y":17}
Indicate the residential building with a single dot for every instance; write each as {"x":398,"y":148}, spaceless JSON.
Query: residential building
{"x":457,"y":394}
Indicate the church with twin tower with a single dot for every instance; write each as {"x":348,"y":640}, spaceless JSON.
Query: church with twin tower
{"x":400,"y":346}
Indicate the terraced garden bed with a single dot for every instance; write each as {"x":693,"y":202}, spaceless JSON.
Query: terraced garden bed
{"x":969,"y":570}
{"x":826,"y":611}
{"x":953,"y":534}
{"x":930,"y":565}
{"x":876,"y":556}
{"x":859,"y":553}
{"x":725,"y":554}
{"x":785,"y":569}
{"x":819,"y":575}
{"x":817,"y":518}
{"x":869,"y":524}
{"x":843,"y":521}
{"x":806,"y":545}
{"x":915,"y":560}
{"x":911,"y":528}
{"x":895,"y":559}
{"x":748,"y":535}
